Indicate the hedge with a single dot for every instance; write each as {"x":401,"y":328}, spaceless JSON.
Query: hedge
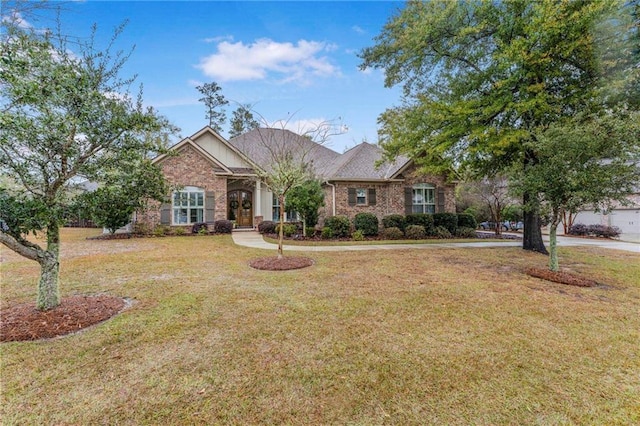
{"x":367,"y":223}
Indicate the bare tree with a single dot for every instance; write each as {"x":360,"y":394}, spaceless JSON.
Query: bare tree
{"x":289,"y":158}
{"x":495,"y":194}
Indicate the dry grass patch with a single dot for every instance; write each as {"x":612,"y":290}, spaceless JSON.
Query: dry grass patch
{"x":446,"y":336}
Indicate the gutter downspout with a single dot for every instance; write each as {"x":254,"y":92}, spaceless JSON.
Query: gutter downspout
{"x":333,"y":197}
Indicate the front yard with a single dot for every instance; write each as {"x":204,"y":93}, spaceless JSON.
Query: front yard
{"x":447,"y":336}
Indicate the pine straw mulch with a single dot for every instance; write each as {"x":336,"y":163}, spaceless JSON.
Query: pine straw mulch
{"x":561,"y":277}
{"x":75,"y":313}
{"x":285,"y":263}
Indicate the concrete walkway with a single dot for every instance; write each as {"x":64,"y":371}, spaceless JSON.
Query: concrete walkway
{"x":254,"y":240}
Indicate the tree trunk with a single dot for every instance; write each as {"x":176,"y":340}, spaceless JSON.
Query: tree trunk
{"x":48,"y":291}
{"x":532,"y":235}
{"x":281,"y":231}
{"x":553,"y":250}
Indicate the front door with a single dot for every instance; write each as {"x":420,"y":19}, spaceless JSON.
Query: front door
{"x":240,"y":207}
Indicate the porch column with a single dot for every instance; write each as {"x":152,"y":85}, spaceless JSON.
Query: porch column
{"x":258,"y":203}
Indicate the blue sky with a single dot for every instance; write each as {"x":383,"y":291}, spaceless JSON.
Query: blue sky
{"x":292,"y":61}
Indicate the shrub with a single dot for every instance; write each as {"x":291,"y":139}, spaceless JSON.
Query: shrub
{"x":441,"y":232}
{"x":446,"y":220}
{"x":160,"y":230}
{"x":604,"y":231}
{"x":358,"y":235}
{"x":392,"y":233}
{"x":288,"y":229}
{"x":367,"y":223}
{"x":415,"y":232}
{"x":198,"y":227}
{"x":327,"y":233}
{"x":179,"y":231}
{"x":423,"y":219}
{"x":394,"y":221}
{"x":267,"y":227}
{"x":579,"y":229}
{"x":223,"y":226}
{"x":141,"y":228}
{"x":340,"y":225}
{"x":467,"y":221}
{"x":466,"y":232}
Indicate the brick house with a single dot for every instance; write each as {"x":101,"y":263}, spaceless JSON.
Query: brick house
{"x":216,"y":179}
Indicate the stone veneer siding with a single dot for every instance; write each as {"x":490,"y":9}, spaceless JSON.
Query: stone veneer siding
{"x":190,"y":168}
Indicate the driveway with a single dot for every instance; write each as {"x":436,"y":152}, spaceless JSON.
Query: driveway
{"x":254,"y":240}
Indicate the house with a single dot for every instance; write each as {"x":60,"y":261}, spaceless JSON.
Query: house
{"x":625,"y":217}
{"x":216,"y":179}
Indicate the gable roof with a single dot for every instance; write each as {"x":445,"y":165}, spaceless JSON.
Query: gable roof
{"x":261,"y":145}
{"x":188,"y":142}
{"x":360,"y":163}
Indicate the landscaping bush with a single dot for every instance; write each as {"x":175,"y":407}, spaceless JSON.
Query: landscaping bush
{"x":179,"y":231}
{"x":367,"y":223}
{"x":423,"y":219}
{"x":415,"y":232}
{"x":198,"y":227}
{"x":327,"y":233}
{"x":267,"y":227}
{"x":441,"y":232}
{"x":223,"y":226}
{"x":161,"y":230}
{"x":288,"y":229}
{"x":340,"y":225}
{"x":466,"y":232}
{"x":358,"y":235}
{"x":467,"y":221}
{"x":446,"y":220}
{"x":392,"y":233}
{"x":579,"y":229}
{"x":604,"y":231}
{"x":394,"y":221}
{"x":141,"y":228}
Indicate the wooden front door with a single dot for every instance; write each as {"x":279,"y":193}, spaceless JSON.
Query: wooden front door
{"x":240,"y":205}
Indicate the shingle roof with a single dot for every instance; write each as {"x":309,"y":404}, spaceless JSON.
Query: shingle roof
{"x":360,"y":163}
{"x":357,"y":163}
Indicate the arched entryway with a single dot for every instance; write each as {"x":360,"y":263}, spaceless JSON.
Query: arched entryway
{"x":240,"y":207}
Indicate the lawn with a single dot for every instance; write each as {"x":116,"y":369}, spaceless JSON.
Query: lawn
{"x":450,"y":336}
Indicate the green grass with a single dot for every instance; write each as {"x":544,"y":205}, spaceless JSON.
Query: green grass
{"x":378,"y":242}
{"x":450,"y":336}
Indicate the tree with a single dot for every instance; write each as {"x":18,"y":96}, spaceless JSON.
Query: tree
{"x":494,"y":192}
{"x":483,"y":79}
{"x":287,"y":159}
{"x":585,"y":162}
{"x":64,"y":116}
{"x":242,"y":121}
{"x":306,"y":199}
{"x":213,"y":99}
{"x":112,"y":205}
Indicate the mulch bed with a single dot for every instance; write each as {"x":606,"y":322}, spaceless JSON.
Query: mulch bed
{"x":283,"y":264}
{"x":561,"y":277}
{"x":25,"y":322}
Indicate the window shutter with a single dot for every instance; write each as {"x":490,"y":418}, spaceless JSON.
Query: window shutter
{"x":440,"y":200}
{"x":372,"y":196}
{"x":408,"y":200}
{"x":210,"y":207}
{"x":352,"y":196}
{"x":165,"y":214}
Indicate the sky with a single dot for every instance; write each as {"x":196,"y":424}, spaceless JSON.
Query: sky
{"x":292,"y":61}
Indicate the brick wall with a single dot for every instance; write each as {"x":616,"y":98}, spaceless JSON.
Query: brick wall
{"x":389,"y":196}
{"x":189,"y":168}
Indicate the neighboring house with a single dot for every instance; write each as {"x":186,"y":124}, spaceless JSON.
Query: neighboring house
{"x":625,"y":217}
{"x":216,"y":179}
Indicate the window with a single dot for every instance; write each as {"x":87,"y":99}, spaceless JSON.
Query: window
{"x":288,"y":217}
{"x":423,"y":198}
{"x":361,"y":197}
{"x":188,"y":206}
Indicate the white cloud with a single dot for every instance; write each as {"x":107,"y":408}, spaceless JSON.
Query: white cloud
{"x":218,"y":39}
{"x":17,"y":19}
{"x":265,"y":57}
{"x":358,"y":29}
